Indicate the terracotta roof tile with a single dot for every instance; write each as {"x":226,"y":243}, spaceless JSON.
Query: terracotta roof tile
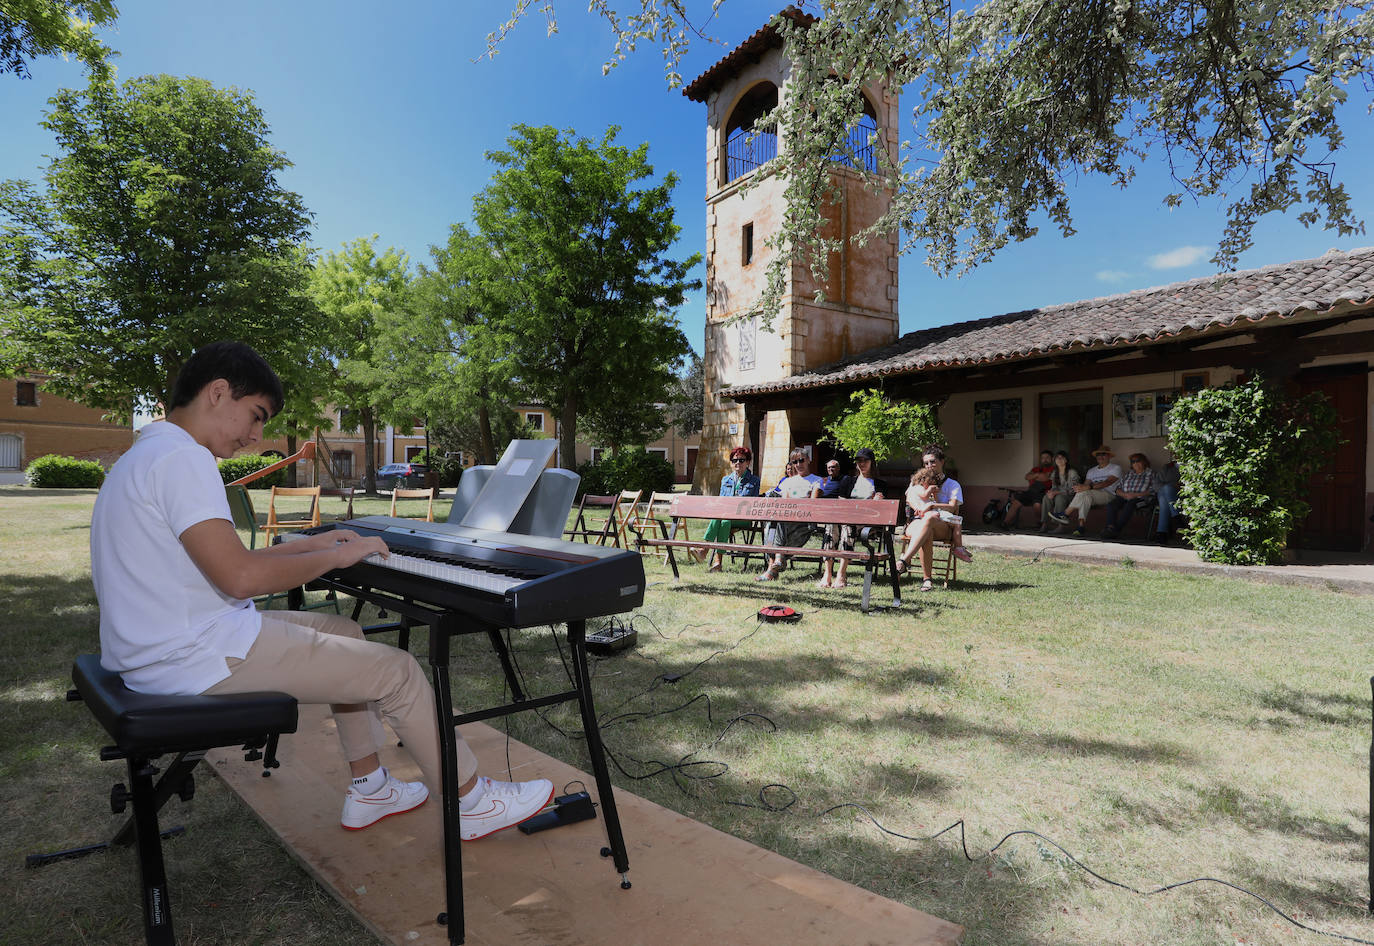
{"x":765,"y":38}
{"x":1202,"y":304}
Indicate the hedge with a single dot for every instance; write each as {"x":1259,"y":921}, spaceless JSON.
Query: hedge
{"x":55,"y":472}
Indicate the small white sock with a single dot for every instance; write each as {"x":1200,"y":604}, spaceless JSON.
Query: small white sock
{"x":372,"y":783}
{"x":469,"y":801}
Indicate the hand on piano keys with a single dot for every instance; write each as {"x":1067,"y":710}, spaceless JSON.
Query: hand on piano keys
{"x":354,"y":548}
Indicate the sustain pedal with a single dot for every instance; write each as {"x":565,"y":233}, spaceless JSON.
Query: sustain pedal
{"x":612,"y":640}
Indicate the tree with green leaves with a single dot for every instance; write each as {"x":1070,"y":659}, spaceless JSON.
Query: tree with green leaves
{"x":440,"y":364}
{"x":687,"y":399}
{"x":32,"y":28}
{"x":574,"y":287}
{"x":1011,"y":99}
{"x":364,"y":296}
{"x":889,"y":429}
{"x":163,"y":226}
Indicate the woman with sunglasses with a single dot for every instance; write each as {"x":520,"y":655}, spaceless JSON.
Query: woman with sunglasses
{"x":740,"y":481}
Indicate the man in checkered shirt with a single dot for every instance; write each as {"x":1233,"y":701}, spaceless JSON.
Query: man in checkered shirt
{"x":1135,"y":492}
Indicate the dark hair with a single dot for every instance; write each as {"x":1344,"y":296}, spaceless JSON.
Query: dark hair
{"x":1062,"y":453}
{"x":933,"y":451}
{"x":246,"y":371}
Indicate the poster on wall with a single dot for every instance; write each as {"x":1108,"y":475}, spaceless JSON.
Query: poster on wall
{"x":997,"y":420}
{"x":1164,"y":400}
{"x":1140,"y":414}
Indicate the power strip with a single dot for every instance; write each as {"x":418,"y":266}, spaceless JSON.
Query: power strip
{"x":612,"y":640}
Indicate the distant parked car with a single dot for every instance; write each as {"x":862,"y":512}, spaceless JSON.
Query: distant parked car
{"x":404,"y":475}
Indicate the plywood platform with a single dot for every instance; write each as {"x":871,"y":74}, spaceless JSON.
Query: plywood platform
{"x":692,"y":883}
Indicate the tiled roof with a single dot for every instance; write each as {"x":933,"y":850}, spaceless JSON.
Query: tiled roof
{"x":1197,"y":305}
{"x":746,"y":52}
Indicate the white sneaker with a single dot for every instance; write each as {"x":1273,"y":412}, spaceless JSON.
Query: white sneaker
{"x":502,"y":805}
{"x":395,"y":798}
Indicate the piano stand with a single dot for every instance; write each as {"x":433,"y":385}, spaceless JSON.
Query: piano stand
{"x":444,"y":625}
{"x":146,"y":726}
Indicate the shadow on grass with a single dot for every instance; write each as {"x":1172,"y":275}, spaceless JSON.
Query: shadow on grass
{"x":805,"y":593}
{"x":952,"y":727}
{"x":1337,"y":709}
{"x":1258,"y":812}
{"x":971,"y":586}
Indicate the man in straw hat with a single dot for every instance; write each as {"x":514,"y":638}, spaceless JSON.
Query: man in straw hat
{"x":1098,"y":488}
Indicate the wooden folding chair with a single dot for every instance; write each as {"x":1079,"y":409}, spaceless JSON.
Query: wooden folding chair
{"x":583,"y":527}
{"x":653,"y":512}
{"x":343,"y":492}
{"x":425,"y":494}
{"x":245,"y":517}
{"x":943,"y":565}
{"x":626,"y":507}
{"x":277,"y":523}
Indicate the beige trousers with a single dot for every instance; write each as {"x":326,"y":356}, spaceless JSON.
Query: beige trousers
{"x":324,"y":658}
{"x":1087,"y":499}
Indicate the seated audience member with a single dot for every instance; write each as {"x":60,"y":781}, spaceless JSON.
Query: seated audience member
{"x":741,"y":481}
{"x":1135,"y":493}
{"x":777,"y":487}
{"x":829,"y":487}
{"x":1063,"y":478}
{"x":934,"y":524}
{"x":800,"y":485}
{"x":925,"y":486}
{"x":1167,"y":482}
{"x":1098,"y":488}
{"x":1037,"y":483}
{"x":863,"y":483}
{"x":923,"y":492}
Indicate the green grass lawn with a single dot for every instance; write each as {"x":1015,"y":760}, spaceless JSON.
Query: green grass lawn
{"x":1159,"y":727}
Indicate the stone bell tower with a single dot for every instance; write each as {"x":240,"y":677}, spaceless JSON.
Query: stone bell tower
{"x":859,"y":310}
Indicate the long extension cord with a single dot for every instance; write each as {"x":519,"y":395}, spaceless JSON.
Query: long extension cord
{"x":777,"y":797}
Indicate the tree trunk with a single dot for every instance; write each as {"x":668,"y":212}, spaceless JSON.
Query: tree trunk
{"x":567,"y":434}
{"x":369,"y":424}
{"x":291,"y":449}
{"x":488,"y":449}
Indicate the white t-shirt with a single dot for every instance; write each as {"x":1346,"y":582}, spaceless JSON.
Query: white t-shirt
{"x":950,"y":491}
{"x":164,"y":627}
{"x":916,"y":498}
{"x":1099,"y":473}
{"x":799,"y":487}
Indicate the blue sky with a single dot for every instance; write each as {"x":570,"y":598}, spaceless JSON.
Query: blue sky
{"x":387,"y":117}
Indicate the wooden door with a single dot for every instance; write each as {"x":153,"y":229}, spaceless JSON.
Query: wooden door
{"x":1337,"y":492}
{"x":1072,"y":421}
{"x":691,"y":473}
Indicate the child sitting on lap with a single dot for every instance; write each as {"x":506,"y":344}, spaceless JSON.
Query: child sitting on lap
{"x":923,"y":491}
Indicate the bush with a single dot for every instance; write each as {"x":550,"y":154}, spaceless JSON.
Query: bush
{"x":631,"y":468}
{"x":1245,"y":454}
{"x":237,"y":467}
{"x":890,"y":430}
{"x":54,"y":472}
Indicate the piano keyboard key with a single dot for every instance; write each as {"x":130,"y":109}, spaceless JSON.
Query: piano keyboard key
{"x":432,"y":567}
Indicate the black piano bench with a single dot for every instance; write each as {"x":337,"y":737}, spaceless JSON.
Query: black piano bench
{"x":145,"y":727}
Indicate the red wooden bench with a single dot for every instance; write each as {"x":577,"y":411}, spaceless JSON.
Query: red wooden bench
{"x":876,"y":519}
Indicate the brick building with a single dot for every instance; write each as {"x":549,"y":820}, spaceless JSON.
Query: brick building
{"x":35,"y":423}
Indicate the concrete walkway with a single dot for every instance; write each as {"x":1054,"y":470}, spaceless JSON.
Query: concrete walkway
{"x":1335,"y":571}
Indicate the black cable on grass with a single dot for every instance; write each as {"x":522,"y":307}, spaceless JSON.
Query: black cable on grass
{"x":784,"y":798}
{"x":963,"y":844}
